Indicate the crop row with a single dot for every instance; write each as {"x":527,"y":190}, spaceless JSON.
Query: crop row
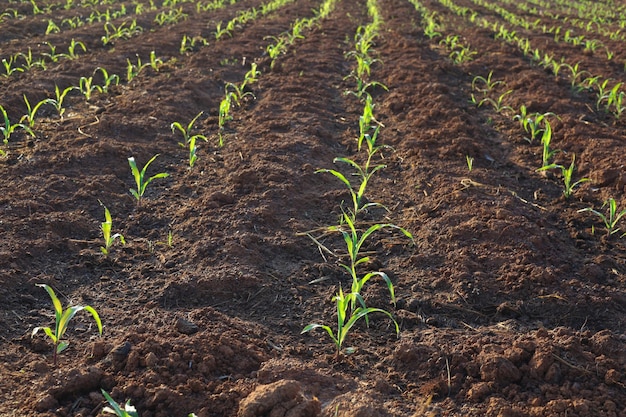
{"x":609,"y":98}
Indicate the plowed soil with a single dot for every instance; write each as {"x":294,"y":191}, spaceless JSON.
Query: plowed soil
{"x":511,"y":302}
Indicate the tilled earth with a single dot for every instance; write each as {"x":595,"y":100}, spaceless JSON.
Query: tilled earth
{"x":510,"y":301}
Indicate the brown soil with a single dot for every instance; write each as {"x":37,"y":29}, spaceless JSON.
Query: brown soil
{"x":508,"y":304}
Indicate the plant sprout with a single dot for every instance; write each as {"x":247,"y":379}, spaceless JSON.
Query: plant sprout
{"x":610,"y":220}
{"x":567,"y":173}
{"x":62,"y":320}
{"x":140,"y":177}
{"x":346,"y":319}
{"x":186,"y":131}
{"x":115,"y":408}
{"x":9,"y":128}
{"x":106,"y":227}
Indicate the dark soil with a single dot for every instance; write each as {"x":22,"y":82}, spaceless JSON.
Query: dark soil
{"x":511,"y":302}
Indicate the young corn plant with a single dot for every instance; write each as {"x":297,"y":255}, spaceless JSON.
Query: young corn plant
{"x":30,"y":62}
{"x":497,"y":104}
{"x":107,"y":79}
{"x":224,"y":113}
{"x":9,"y":128}
{"x":354,"y":242}
{"x":72,"y":52}
{"x":106,"y":227}
{"x":9,"y":69}
{"x":140,"y":178}
{"x":86,"y":86}
{"x":567,"y":174}
{"x":186,"y":131}
{"x":347,"y":318}
{"x":533,"y":124}
{"x":610,"y":219}
{"x":57,"y":102}
{"x":356,"y":193}
{"x":485,"y":85}
{"x":32,"y":111}
{"x":188,"y":44}
{"x":462,"y":54}
{"x":120,"y":32}
{"x":115,"y":408}
{"x":470,"y":162}
{"x":546,"y":138}
{"x":62,"y":320}
{"x":276,"y":49}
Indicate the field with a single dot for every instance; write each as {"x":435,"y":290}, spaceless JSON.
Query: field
{"x":455,"y":167}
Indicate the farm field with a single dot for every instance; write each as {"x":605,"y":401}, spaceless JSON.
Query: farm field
{"x":448,"y":175}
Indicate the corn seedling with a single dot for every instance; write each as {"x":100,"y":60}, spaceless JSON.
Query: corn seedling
{"x":62,"y":320}
{"x":57,"y":102}
{"x":251,"y":76}
{"x":532,"y":123}
{"x":72,"y":22}
{"x":72,"y":49}
{"x":470,"y":162}
{"x":219,"y":31}
{"x":87,"y":87}
{"x":106,"y":227}
{"x":354,"y":241}
{"x":362,"y":86}
{"x":431,"y":27}
{"x":611,"y":218}
{"x":170,"y":17}
{"x":186,"y":131}
{"x":464,"y":54}
{"x":451,"y":41}
{"x":193,"y":149}
{"x":32,"y":111}
{"x":546,"y":139}
{"x":107,"y":79}
{"x":115,"y":408}
{"x":567,"y":174}
{"x":52,"y":55}
{"x":9,"y":128}
{"x":9,"y":69}
{"x":140,"y":178}
{"x":347,"y":318}
{"x":356,"y":194}
{"x":120,"y":32}
{"x":497,"y":104}
{"x":224,"y":113}
{"x":36,"y":9}
{"x":133,"y":70}
{"x":155,"y":62}
{"x":188,"y":44}
{"x":30,"y":62}
{"x":485,"y":85}
{"x":276,"y":49}
{"x":52,"y":27}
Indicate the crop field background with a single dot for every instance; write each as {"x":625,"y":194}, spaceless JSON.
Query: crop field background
{"x":455,"y":168}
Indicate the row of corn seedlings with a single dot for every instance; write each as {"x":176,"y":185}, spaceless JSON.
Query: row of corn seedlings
{"x":140,"y":176}
{"x":537,"y":125}
{"x":235,"y":93}
{"x":27,"y":61}
{"x":86,"y":86}
{"x":351,"y":306}
{"x":609,"y":98}
{"x":248,"y":15}
{"x":458,"y":50}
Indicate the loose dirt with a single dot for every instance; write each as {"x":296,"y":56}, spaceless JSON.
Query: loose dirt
{"x":508,"y":304}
